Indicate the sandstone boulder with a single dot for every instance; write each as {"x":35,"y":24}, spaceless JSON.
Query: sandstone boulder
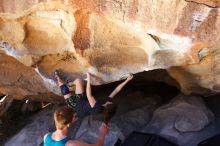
{"x":130,"y":116}
{"x":182,"y":117}
{"x":111,"y":39}
{"x":88,"y":132}
{"x":39,"y":125}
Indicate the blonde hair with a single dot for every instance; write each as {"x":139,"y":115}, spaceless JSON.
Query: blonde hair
{"x":63,"y":116}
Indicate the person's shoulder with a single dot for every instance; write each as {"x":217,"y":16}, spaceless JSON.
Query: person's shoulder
{"x":45,"y":136}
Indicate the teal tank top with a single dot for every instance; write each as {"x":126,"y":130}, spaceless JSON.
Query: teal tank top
{"x":50,"y":142}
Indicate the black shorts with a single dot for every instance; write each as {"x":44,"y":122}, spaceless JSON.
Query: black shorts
{"x":80,"y":104}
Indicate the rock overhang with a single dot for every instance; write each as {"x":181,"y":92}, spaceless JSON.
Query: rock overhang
{"x":77,"y":39}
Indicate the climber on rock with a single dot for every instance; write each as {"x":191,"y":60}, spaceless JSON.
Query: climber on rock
{"x":85,"y":103}
{"x":107,"y":106}
{"x":64,"y":117}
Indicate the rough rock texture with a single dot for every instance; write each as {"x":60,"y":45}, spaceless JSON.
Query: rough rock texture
{"x":129,"y":116}
{"x":138,"y":119}
{"x":5,"y":105}
{"x":13,"y":115}
{"x":210,"y":3}
{"x":212,"y":104}
{"x":88,"y":132}
{"x":111,"y":39}
{"x":179,"y":119}
{"x":36,"y":129}
{"x":17,"y":79}
{"x":132,"y":122}
{"x":123,"y":124}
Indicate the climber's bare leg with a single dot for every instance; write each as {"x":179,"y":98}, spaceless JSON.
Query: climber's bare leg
{"x":79,"y":86}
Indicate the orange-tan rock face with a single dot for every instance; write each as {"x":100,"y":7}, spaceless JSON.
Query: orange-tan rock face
{"x":110,"y":39}
{"x":17,"y":79}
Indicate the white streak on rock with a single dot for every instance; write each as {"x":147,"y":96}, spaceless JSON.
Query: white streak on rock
{"x":49,"y":83}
